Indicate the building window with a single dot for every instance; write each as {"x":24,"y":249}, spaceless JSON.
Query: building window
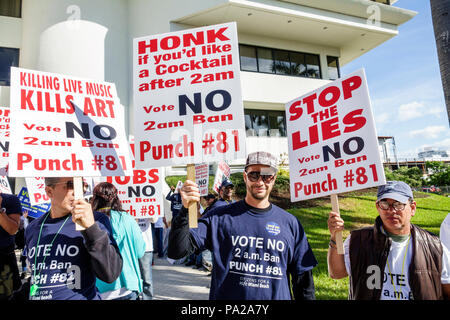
{"x":277,"y":61}
{"x":333,"y":68}
{"x":9,"y":57}
{"x":248,"y":58}
{"x":11,"y":8}
{"x":265,"y":123}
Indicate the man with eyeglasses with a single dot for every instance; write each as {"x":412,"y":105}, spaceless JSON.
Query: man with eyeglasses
{"x":394,"y":259}
{"x":65,"y":262}
{"x":260,"y":251}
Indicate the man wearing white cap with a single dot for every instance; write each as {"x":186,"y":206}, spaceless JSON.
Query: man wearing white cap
{"x":394,"y":259}
{"x":257,"y":246}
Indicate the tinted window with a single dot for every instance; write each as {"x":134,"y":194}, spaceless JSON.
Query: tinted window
{"x":265,"y":123}
{"x":298,"y":65}
{"x":282,"y":64}
{"x":312,"y":66}
{"x":9,"y":57}
{"x":248,"y":58}
{"x":333,"y":67}
{"x":265,"y":60}
{"x":10,"y":8}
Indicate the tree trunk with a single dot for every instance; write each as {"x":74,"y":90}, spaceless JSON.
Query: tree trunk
{"x":440,"y":13}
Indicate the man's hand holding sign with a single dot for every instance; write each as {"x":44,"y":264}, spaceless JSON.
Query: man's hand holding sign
{"x":333,"y":145}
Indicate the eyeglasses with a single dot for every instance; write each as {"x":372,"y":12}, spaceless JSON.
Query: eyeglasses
{"x":254,"y":176}
{"x":69,"y":185}
{"x":397,"y":206}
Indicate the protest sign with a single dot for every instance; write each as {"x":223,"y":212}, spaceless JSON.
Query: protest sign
{"x":65,"y":126}
{"x":222,"y":172}
{"x":33,"y":211}
{"x":36,"y":190}
{"x":4,"y":137}
{"x":187,"y":97}
{"x":4,"y":185}
{"x":332,"y":140}
{"x":141,"y":194}
{"x":202,"y":178}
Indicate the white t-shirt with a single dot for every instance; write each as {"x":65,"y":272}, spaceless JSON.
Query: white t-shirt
{"x":444,"y":233}
{"x":146,"y":228}
{"x":395,"y":283}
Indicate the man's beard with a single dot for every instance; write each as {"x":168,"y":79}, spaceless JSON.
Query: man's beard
{"x":259,"y":196}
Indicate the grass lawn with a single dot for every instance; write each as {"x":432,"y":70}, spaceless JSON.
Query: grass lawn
{"x":358,"y":210}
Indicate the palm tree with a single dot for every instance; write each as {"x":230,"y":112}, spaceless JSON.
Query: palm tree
{"x":440,"y":13}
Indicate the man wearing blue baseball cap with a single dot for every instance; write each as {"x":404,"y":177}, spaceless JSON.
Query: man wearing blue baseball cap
{"x":393,"y":259}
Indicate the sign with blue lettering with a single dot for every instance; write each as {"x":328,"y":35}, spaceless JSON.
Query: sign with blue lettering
{"x":33,"y":211}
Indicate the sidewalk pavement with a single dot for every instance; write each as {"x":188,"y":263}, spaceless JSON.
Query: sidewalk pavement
{"x":179,"y":282}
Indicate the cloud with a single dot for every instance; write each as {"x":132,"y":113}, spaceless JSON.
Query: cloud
{"x":416,"y":109}
{"x":382,"y":118}
{"x":430,"y":132}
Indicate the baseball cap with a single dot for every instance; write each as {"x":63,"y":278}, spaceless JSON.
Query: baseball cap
{"x":209,"y":196}
{"x":397,"y":190}
{"x":262,"y":157}
{"x":226,"y":183}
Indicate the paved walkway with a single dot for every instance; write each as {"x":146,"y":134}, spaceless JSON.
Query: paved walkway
{"x":179,"y":282}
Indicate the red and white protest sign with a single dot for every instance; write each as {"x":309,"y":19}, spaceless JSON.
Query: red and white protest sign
{"x":187,"y":97}
{"x":223,"y":172}
{"x":65,"y":126}
{"x":332,"y":140}
{"x":36,"y":190}
{"x":141,"y":194}
{"x":202,"y":178}
{"x":4,"y":137}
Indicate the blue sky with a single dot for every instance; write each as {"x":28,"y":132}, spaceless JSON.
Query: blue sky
{"x":405,"y":85}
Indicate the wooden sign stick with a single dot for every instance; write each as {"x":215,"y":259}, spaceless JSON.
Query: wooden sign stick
{"x":193,"y":205}
{"x":78,"y":193}
{"x":335,"y":208}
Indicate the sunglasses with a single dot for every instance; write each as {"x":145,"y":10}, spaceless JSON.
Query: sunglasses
{"x":69,"y":185}
{"x":254,"y":176}
{"x":397,"y":206}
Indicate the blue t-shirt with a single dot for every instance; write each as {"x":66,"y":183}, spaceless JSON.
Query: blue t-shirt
{"x":220,"y":202}
{"x":254,"y":251}
{"x":12,"y":205}
{"x":66,"y":273}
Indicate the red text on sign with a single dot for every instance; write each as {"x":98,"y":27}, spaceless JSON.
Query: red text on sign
{"x":25,"y":161}
{"x":186,"y":40}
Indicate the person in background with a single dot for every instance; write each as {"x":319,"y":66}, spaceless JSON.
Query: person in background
{"x":158,"y":233}
{"x":129,"y":239}
{"x":175,"y":201}
{"x":10,"y":213}
{"x":225,"y":195}
{"x":393,"y":259}
{"x":146,"y":261}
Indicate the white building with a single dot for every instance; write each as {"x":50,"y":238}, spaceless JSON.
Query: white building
{"x":287,"y":47}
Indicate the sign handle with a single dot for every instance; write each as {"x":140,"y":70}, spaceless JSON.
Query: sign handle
{"x":78,"y":194}
{"x":335,"y":208}
{"x":193,"y":205}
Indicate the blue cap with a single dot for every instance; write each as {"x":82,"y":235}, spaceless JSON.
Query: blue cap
{"x":397,"y":190}
{"x":226,"y":183}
